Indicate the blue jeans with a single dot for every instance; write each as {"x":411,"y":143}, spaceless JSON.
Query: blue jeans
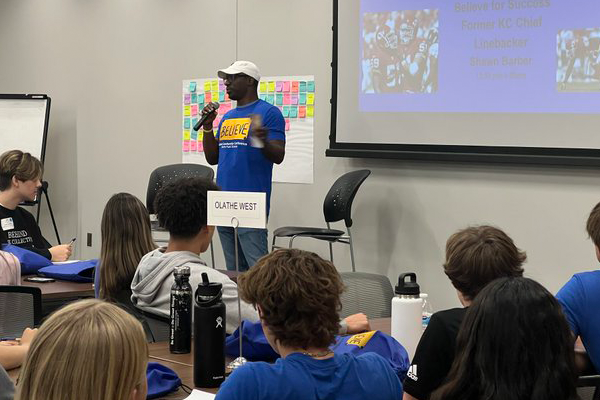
{"x":252,"y":245}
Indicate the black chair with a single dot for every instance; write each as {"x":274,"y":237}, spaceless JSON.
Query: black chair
{"x":336,"y":207}
{"x":366,"y":293}
{"x":20,"y":308}
{"x":159,"y":326}
{"x":588,"y":387}
{"x":166,"y":174}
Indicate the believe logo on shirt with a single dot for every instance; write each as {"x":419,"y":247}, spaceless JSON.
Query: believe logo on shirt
{"x":235,"y":129}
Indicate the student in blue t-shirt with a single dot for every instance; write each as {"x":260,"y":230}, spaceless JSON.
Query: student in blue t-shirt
{"x":297,"y":295}
{"x":249,"y":140}
{"x":580,"y":298}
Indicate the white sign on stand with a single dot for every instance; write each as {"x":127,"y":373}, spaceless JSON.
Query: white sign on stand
{"x":237,"y":209}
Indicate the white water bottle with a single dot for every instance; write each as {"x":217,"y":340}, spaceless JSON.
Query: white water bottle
{"x":407,"y":313}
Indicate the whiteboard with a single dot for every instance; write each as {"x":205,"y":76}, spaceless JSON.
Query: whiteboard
{"x":24,"y":123}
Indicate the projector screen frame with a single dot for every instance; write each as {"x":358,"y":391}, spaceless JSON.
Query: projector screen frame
{"x":443,"y":153}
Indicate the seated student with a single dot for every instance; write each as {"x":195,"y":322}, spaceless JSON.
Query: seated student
{"x":580,"y":298}
{"x":10,"y":269}
{"x":126,"y":238}
{"x":90,"y":350}
{"x":20,"y":180}
{"x":297,"y":295}
{"x":514,"y":343}
{"x":181,"y":209}
{"x":13,"y":352}
{"x":475,"y":256}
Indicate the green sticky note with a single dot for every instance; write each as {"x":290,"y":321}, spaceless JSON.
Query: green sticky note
{"x":302,"y":98}
{"x":263,"y":97}
{"x":293,"y":112}
{"x":194,"y":135}
{"x":186,"y":123}
{"x":194,"y":98}
{"x":302,"y":86}
{"x":194,"y":121}
{"x":279,"y":98}
{"x":192,"y":86}
{"x":221,"y":96}
{"x":286,"y":111}
{"x":271,"y":98}
{"x":310,"y":86}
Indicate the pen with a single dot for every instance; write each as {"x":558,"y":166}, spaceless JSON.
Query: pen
{"x":72,"y":241}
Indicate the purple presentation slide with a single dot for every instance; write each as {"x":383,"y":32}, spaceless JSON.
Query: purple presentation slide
{"x":504,"y":56}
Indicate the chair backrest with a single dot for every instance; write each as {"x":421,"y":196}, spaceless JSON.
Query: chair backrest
{"x":160,"y":327}
{"x":338,"y":201}
{"x":366,"y":293}
{"x":589,"y":387}
{"x":170,"y":173}
{"x":20,"y":308}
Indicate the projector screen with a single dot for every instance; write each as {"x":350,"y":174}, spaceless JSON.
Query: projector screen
{"x":496,"y":80}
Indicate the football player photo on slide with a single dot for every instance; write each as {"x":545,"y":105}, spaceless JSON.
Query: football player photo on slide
{"x":578,"y":60}
{"x":400,"y":52}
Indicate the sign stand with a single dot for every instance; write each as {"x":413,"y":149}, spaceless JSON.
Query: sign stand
{"x":238,"y":362}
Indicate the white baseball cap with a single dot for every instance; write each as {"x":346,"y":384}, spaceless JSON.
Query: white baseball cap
{"x":241,"y":67}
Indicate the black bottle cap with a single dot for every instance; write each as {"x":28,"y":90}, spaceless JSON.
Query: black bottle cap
{"x":408,"y":288}
{"x":208,"y":289}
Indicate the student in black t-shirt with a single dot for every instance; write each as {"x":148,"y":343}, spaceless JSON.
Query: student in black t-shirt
{"x":514,"y":343}
{"x":475,"y":256}
{"x":20,"y":180}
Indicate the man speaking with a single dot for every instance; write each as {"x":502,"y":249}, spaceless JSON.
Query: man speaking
{"x":249,"y":139}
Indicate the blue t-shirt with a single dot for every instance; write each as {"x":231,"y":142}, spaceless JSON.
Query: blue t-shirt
{"x":243,"y":168}
{"x":300,"y":377}
{"x":580,"y":299}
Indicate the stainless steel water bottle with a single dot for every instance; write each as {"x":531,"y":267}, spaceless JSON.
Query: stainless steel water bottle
{"x":180,"y":337}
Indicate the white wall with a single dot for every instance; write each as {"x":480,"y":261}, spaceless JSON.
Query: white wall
{"x":114,"y":71}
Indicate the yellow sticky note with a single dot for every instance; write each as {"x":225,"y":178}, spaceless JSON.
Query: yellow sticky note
{"x":310,"y":111}
{"x":200,"y":135}
{"x":310,"y":98}
{"x":263,"y":86}
{"x":207,"y":86}
{"x":186,"y":111}
{"x":271,"y":86}
{"x":215,"y":95}
{"x":186,"y":135}
{"x":215,"y":86}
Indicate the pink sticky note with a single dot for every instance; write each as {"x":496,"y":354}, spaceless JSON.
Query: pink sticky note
{"x":194,"y":109}
{"x":216,"y":122}
{"x":295,"y":86}
{"x":200,"y":146}
{"x":225,"y":107}
{"x":302,"y":112}
{"x":286,"y":86}
{"x":187,"y":98}
{"x":286,"y":98}
{"x":287,"y":124}
{"x":207,"y":97}
{"x":278,"y":86}
{"x":193,"y":145}
{"x":294,"y":99}
{"x":186,"y":146}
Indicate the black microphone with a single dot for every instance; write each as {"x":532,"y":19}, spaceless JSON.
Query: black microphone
{"x":201,"y":121}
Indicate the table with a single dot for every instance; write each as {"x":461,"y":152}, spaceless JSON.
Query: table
{"x":61,"y":289}
{"x":183,"y":364}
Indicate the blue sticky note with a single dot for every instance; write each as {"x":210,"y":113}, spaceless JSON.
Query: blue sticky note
{"x":186,"y":123}
{"x":271,"y":98}
{"x":221,"y":96}
{"x":302,"y":86}
{"x":194,"y":135}
{"x":194,"y":98}
{"x":286,"y":111}
{"x":263,"y":97}
{"x":201,"y":98}
{"x":310,"y":86}
{"x":192,"y":86}
{"x":194,"y":121}
{"x":302,"y":98}
{"x":293,"y":112}
{"x":279,"y":100}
